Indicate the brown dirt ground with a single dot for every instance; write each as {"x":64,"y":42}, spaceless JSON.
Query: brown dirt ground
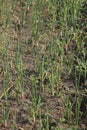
{"x":22,"y":105}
